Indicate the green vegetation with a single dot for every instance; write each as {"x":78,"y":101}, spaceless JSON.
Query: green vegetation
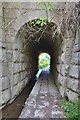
{"x":71,"y":109}
{"x":39,"y":22}
{"x":43,"y":21}
{"x":44,"y":61}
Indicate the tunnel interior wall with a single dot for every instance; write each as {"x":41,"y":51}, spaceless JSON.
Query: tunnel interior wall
{"x":19,"y":66}
{"x":67,"y":72}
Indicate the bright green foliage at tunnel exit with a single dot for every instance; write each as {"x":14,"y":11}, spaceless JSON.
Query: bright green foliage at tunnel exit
{"x":44,"y":61}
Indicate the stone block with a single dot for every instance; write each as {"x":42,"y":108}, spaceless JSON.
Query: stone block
{"x":15,"y":46}
{"x":0,"y":36}
{"x":63,"y":57}
{"x":4,"y":69}
{"x":4,"y":57}
{"x":75,"y":58}
{"x":72,"y":95}
{"x":16,"y":89}
{"x":22,"y":76}
{"x":25,"y":74}
{"x":62,"y":69}
{"x":77,"y":38}
{"x":74,"y":71}
{"x":61,"y":89}
{"x":9,"y":45}
{"x":9,"y":39}
{"x":9,"y":56}
{"x":76,"y":48}
{"x":60,"y":79}
{"x":20,"y":87}
{"x":72,"y":84}
{"x":16,"y":67}
{"x":16,"y":79}
{"x":5,"y":83}
{"x":15,"y":56}
{"x":13,"y":91}
{"x":10,"y":67}
{"x":6,"y":95}
{"x":29,"y":5}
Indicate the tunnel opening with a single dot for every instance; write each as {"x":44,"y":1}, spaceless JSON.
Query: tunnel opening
{"x":32,"y":39}
{"x":29,"y":43}
{"x":43,"y":63}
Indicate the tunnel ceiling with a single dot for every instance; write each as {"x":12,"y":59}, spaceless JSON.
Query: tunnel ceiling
{"x":41,"y":39}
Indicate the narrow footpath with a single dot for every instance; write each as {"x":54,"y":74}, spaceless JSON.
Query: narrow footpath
{"x":43,"y":101}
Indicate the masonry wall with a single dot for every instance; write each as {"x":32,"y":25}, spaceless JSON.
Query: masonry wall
{"x":68,"y":75}
{"x":18,"y":64}
{"x":68,"y":60}
{"x":1,"y":54}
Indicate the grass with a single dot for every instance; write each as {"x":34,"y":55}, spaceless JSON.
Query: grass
{"x":71,"y":109}
{"x":44,"y":61}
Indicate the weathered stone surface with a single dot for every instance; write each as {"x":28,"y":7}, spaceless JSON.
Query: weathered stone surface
{"x":62,"y":69}
{"x":16,"y":78}
{"x":76,"y":48}
{"x":5,"y":83}
{"x":0,"y":70}
{"x":61,"y":79}
{"x":72,"y":95}
{"x":1,"y":101}
{"x":58,"y":68}
{"x":73,"y":84}
{"x":74,"y":71}
{"x":75,"y":58}
{"x":43,"y":102}
{"x":4,"y":69}
{"x":61,"y":89}
{"x":19,"y":61}
{"x":77,"y":38}
{"x":5,"y":95}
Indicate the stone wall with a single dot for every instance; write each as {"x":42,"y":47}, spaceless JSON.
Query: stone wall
{"x":18,"y":64}
{"x":1,"y":54}
{"x":68,"y":65}
{"x":68,"y":75}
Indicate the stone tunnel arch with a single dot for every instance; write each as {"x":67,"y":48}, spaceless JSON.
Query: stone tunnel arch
{"x":25,"y":56}
{"x":15,"y":56}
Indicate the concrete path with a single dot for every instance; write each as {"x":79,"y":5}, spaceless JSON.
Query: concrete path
{"x":43,"y":102}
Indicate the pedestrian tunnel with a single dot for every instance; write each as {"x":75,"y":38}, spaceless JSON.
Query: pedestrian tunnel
{"x":30,"y":41}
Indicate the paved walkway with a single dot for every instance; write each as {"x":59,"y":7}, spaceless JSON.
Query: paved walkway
{"x":43,"y":102}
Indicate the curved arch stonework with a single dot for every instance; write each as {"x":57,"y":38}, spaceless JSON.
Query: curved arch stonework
{"x":18,"y":63}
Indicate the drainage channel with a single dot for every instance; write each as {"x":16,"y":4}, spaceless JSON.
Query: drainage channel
{"x":13,"y":110}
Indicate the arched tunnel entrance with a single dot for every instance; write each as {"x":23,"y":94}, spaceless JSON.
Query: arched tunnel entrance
{"x":30,"y":42}
{"x":25,"y":35}
{"x":33,"y":39}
